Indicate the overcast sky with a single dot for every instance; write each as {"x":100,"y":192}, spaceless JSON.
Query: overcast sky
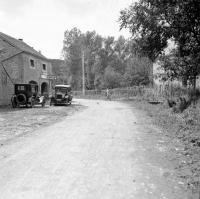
{"x":41,"y":23}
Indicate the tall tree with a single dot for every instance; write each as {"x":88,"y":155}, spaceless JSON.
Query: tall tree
{"x":153,"y":22}
{"x":72,"y":46}
{"x":149,"y":30}
{"x":107,"y":61}
{"x":92,"y":44}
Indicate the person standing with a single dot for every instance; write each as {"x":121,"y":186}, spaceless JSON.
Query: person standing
{"x":108,"y":94}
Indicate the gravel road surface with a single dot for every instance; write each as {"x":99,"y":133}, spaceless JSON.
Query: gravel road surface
{"x":21,"y":121}
{"x":106,"y":151}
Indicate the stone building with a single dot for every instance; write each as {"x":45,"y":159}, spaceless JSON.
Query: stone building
{"x":21,"y":63}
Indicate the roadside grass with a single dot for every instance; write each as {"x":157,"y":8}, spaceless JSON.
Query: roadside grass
{"x":185,"y":128}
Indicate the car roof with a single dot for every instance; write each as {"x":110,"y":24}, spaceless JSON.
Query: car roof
{"x":21,"y":84}
{"x":63,"y":85}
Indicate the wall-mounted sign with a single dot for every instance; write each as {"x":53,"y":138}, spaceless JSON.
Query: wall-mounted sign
{"x":44,"y":76}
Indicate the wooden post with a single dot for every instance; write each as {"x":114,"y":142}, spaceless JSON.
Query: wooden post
{"x":83,"y":74}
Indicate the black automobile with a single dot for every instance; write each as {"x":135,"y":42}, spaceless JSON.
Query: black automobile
{"x":26,"y":95}
{"x":62,"y":96}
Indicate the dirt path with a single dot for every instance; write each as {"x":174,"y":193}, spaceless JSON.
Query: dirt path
{"x":103,"y":152}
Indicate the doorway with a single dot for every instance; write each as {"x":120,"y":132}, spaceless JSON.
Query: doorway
{"x":44,"y":88}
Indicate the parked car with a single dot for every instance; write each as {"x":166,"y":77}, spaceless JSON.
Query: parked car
{"x":26,"y":95}
{"x":62,"y":95}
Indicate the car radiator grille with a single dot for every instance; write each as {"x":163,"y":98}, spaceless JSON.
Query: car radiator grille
{"x":59,"y":96}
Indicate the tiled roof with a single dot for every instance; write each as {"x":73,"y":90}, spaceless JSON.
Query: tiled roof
{"x":21,"y":45}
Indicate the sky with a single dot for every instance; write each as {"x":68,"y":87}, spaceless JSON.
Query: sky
{"x":41,"y":23}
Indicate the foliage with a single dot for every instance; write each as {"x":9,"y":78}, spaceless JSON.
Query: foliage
{"x":111,"y":78}
{"x":147,"y":27}
{"x":153,"y":22}
{"x":137,"y":72}
{"x":60,"y":70}
{"x":72,"y":54}
{"x":184,"y":139}
{"x":177,"y":67}
{"x":108,"y":62}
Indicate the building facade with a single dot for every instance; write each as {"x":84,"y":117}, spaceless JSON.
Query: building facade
{"x":20,"y":63}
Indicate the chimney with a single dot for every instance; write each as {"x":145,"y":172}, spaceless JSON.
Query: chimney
{"x":20,"y":39}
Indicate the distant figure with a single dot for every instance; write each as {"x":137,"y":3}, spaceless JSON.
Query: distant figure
{"x":108,"y":94}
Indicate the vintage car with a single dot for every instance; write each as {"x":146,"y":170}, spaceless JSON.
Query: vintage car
{"x":26,"y":95}
{"x":62,"y":95}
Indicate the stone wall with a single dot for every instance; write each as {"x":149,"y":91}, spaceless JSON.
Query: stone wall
{"x":14,"y":68}
{"x":18,"y":66}
{"x":36,"y":73}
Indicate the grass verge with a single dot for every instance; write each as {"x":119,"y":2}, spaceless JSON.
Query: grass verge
{"x":185,"y":129}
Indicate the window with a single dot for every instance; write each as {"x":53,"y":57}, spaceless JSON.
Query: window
{"x":21,"y":88}
{"x":44,"y":67}
{"x":32,"y":63}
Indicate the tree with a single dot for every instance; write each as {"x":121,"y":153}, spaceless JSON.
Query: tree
{"x":112,"y":79}
{"x":72,"y":53}
{"x":61,"y":71}
{"x":149,"y":30}
{"x":138,"y":71}
{"x":183,"y":68}
{"x":107,"y":61}
{"x":92,"y":44}
{"x":153,"y":22}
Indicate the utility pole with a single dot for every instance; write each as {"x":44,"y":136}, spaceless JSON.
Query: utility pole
{"x":83,"y":73}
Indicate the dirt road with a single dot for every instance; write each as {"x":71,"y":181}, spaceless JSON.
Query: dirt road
{"x":21,"y":121}
{"x":103,"y":152}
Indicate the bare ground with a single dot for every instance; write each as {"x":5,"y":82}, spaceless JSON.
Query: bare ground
{"x":20,"y":121}
{"x":108,"y":151}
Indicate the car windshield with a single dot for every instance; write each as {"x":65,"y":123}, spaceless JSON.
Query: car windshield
{"x":21,"y":88}
{"x":62,"y":89}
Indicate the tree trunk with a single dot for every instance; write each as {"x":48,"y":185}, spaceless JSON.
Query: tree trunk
{"x":194,"y":90}
{"x":184,"y":81}
{"x":194,"y":82}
